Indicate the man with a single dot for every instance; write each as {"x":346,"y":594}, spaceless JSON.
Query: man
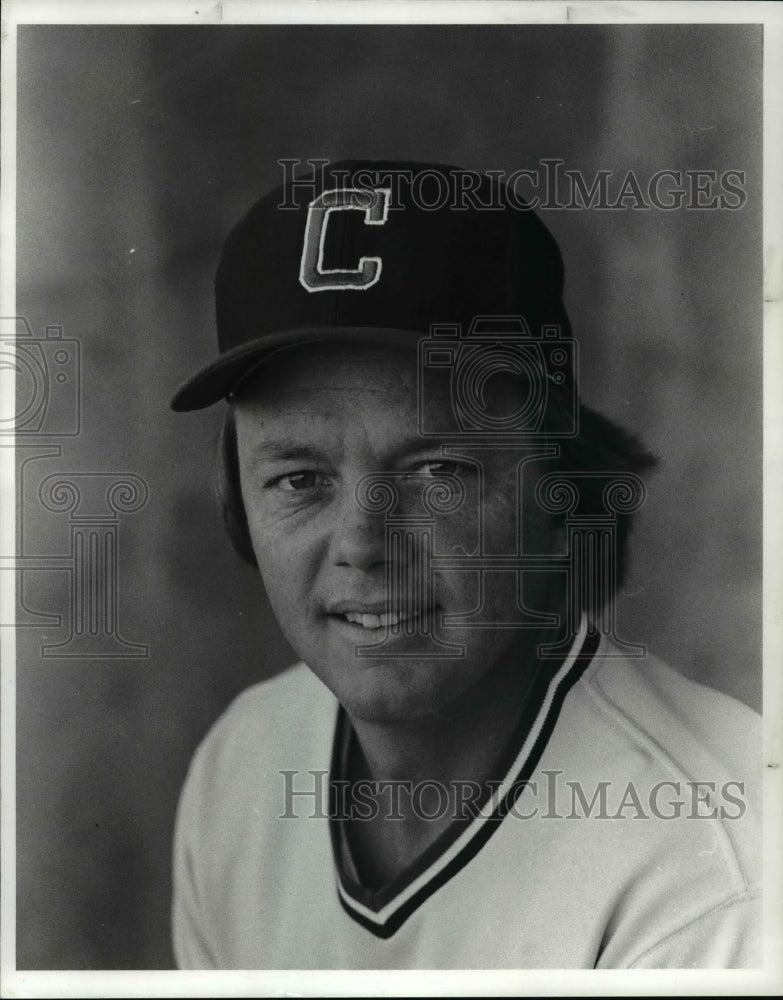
{"x":468,"y":769}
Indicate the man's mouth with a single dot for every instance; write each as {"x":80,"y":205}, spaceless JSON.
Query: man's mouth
{"x":372,"y":615}
{"x":371,"y":621}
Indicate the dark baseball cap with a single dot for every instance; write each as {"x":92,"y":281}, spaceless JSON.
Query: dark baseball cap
{"x":375,"y":251}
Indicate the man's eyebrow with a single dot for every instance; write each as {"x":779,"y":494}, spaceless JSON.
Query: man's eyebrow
{"x":283,"y":450}
{"x":286,"y":450}
{"x":416,"y":443}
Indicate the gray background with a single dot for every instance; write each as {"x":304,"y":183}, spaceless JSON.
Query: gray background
{"x":155,"y":140}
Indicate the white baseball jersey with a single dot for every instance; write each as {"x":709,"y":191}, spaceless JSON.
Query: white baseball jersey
{"x":621,"y":833}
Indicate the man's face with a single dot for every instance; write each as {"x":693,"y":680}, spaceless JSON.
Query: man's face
{"x":315,"y":421}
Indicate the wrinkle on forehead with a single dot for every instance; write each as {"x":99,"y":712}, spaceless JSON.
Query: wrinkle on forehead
{"x":354,"y":403}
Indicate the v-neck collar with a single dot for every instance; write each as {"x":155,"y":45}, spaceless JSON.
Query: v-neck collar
{"x":383,"y":911}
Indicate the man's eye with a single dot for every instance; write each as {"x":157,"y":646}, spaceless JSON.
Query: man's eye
{"x":437,"y":467}
{"x":293,"y":482}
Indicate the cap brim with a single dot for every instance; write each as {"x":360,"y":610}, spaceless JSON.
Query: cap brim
{"x":218,"y":379}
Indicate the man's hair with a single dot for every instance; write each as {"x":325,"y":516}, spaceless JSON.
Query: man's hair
{"x":601,"y":448}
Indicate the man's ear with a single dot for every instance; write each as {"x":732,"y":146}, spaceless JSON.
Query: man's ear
{"x":228,"y":491}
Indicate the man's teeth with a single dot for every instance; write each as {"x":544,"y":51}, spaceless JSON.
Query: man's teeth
{"x":377,"y":621}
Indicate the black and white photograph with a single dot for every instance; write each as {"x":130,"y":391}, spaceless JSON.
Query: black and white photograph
{"x":389,"y":581}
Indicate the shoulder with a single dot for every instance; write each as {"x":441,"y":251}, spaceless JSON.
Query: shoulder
{"x":286,"y":721}
{"x":684,"y":763}
{"x":677,"y":740}
{"x":691,"y":728}
{"x":282,"y":696}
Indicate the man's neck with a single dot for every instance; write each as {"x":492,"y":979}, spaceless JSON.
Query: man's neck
{"x":463,"y":744}
{"x":460,"y":752}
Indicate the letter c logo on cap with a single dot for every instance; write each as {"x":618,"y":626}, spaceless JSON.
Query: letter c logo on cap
{"x":374,"y":202}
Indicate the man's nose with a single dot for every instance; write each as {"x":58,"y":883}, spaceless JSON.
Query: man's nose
{"x":358,"y":535}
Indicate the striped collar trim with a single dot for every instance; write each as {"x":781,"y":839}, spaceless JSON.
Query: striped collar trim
{"x":385,"y":910}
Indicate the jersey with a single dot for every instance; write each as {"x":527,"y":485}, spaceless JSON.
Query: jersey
{"x":622,"y":833}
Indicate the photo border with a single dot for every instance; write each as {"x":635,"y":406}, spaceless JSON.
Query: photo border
{"x":767,"y":981}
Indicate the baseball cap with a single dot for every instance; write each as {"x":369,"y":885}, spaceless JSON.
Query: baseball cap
{"x":375,"y":250}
